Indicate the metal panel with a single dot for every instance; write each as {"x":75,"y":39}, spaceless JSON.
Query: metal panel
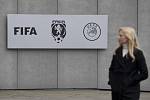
{"x":144,"y":35}
{"x":121,"y":13}
{"x":37,"y":68}
{"x":8,"y":58}
{"x":77,"y":68}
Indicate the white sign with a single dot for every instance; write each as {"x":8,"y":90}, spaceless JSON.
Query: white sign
{"x":57,"y":31}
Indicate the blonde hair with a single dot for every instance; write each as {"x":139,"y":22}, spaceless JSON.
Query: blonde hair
{"x":130,"y":34}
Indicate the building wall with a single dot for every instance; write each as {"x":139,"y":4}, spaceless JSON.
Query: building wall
{"x":61,"y":68}
{"x":121,"y":13}
{"x":144,"y":34}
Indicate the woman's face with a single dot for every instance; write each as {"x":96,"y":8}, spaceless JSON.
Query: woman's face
{"x":122,"y":39}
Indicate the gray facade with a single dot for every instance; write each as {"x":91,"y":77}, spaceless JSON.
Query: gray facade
{"x":38,"y":69}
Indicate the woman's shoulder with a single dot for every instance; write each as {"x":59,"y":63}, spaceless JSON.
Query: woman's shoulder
{"x":138,"y":52}
{"x":118,"y":50}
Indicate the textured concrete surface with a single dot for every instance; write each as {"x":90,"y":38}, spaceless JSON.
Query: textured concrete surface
{"x":30,"y":69}
{"x":37,"y":68}
{"x":37,"y":6}
{"x":79,"y":7}
{"x":60,"y":94}
{"x":144,"y":34}
{"x":77,"y":68}
{"x":121,"y":13}
{"x":8,"y":58}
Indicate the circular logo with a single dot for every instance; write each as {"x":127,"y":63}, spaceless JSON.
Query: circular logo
{"x":92,"y":31}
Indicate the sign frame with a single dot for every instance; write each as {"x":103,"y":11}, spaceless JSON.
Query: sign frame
{"x":33,"y":31}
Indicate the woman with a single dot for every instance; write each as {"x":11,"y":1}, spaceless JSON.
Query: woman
{"x":128,"y":67}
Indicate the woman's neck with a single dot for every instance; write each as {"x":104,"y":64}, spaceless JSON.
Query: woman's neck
{"x":125,"y":46}
{"x":125,"y":49}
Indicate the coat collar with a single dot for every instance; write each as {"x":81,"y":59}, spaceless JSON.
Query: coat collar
{"x":123,"y":62}
{"x":119,"y":51}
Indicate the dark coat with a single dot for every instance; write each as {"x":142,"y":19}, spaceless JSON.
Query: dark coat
{"x":124,"y":73}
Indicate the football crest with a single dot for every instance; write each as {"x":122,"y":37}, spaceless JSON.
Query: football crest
{"x":92,"y":31}
{"x":58,"y":30}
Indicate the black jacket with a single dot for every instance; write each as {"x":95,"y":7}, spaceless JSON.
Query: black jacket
{"x":126,"y":72}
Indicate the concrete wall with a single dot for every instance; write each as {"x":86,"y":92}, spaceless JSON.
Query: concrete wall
{"x":8,"y":58}
{"x":33,"y":69}
{"x":37,"y":68}
{"x":77,"y":68}
{"x":144,"y":34}
{"x":121,"y":13}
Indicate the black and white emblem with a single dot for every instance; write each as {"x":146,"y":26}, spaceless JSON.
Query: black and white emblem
{"x":58,"y":30}
{"x":92,"y":31}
